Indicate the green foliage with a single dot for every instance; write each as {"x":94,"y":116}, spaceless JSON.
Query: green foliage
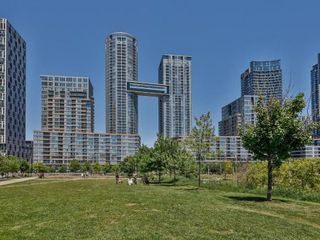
{"x":97,"y":168}
{"x":228,"y":167}
{"x":257,"y":174}
{"x":40,"y":167}
{"x":160,"y":157}
{"x":129,"y":165}
{"x":24,"y":166}
{"x":74,"y":166}
{"x":62,"y":169}
{"x":13,"y":164}
{"x":4,"y":166}
{"x":302,"y":173}
{"x":86,"y":167}
{"x":277,"y":132}
{"x":143,"y":157}
{"x":106,"y":168}
{"x":115,"y":168}
{"x":201,"y":139}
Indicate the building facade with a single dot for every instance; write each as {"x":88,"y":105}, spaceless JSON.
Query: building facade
{"x":237,"y":114}
{"x":67,"y":117}
{"x":315,"y":94}
{"x":263,"y":78}
{"x":230,"y":148}
{"x":175,"y":113}
{"x":12,"y":91}
{"x":121,"y":68}
{"x":56,"y":148}
{"x":67,"y":104}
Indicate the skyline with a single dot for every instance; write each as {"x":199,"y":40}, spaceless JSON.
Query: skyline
{"x":208,"y":62}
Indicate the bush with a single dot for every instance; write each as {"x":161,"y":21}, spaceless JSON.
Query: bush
{"x":302,"y":173}
{"x":257,"y":174}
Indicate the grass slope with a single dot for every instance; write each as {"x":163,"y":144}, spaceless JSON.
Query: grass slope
{"x":100,"y":209}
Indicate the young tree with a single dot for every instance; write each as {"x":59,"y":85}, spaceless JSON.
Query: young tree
{"x":277,"y":132}
{"x":40,"y":167}
{"x":24,"y":166}
{"x":62,"y":169}
{"x":96,"y":167}
{"x":4,"y":166}
{"x":227,"y":168}
{"x":129,"y":165}
{"x":159,"y":160}
{"x":201,"y":140}
{"x":13,"y":164}
{"x":86,"y":167}
{"x":106,"y":168}
{"x":144,"y":156}
{"x":74,"y":165}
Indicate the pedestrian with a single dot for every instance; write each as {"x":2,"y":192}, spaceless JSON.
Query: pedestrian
{"x":117,"y":177}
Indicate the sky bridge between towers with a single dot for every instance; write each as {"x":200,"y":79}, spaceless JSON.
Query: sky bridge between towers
{"x":147,"y":89}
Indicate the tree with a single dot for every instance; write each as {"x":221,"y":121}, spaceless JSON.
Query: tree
{"x":24,"y":166}
{"x":106,"y":168}
{"x":74,"y":165}
{"x":129,"y":165}
{"x":201,"y":140}
{"x":13,"y":164}
{"x":86,"y":167}
{"x":4,"y":166}
{"x":115,"y":168}
{"x":39,"y":167}
{"x":96,"y":167}
{"x":159,"y":159}
{"x":143,"y":157}
{"x":227,"y":168}
{"x":62,"y":169}
{"x":277,"y":132}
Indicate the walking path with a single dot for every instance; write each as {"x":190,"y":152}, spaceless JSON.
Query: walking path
{"x":11,"y":181}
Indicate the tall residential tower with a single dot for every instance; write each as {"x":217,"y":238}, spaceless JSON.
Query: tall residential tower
{"x":121,"y":67}
{"x":315,"y":93}
{"x":263,"y":78}
{"x":12,"y":91}
{"x":175,"y":111}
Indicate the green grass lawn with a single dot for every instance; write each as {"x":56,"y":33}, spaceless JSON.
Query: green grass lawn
{"x":100,"y":209}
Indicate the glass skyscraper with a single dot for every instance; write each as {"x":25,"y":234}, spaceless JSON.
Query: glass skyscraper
{"x":263,"y":78}
{"x":12,"y":91}
{"x":315,"y":94}
{"x":175,"y":112}
{"x":121,"y":67}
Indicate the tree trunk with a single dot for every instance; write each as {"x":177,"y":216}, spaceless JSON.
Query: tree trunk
{"x":199,"y":173}
{"x":159,"y":177}
{"x":270,"y":180}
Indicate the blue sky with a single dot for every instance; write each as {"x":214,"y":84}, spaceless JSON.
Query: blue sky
{"x":67,"y":38}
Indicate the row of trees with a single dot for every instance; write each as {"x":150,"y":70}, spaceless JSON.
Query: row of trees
{"x":167,"y":156}
{"x":75,"y":167}
{"x":13,"y":165}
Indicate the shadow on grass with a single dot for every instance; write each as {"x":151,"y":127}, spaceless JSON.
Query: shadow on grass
{"x":252,"y":199}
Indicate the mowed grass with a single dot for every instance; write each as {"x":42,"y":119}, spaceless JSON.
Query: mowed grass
{"x":100,"y":209}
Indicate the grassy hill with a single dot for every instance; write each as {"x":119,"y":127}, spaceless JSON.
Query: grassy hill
{"x":100,"y":209}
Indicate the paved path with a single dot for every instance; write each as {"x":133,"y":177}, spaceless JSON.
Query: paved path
{"x":11,"y":181}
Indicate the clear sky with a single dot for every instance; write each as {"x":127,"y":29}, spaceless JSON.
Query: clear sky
{"x":67,"y":37}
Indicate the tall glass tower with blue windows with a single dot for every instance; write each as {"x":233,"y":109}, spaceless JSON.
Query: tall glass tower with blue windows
{"x":263,"y":78}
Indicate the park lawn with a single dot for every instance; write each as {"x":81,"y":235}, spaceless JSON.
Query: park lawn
{"x":100,"y":209}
